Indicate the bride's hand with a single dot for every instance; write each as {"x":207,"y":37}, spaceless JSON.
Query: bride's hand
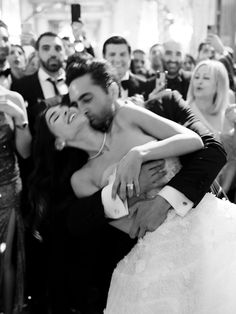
{"x":127,"y":175}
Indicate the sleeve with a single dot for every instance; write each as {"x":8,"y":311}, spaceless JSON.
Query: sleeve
{"x":199,"y":169}
{"x":113,"y":208}
{"x":180,"y":203}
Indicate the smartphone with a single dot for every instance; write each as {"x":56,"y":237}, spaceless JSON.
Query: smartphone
{"x":75,"y":12}
{"x":161,"y":80}
{"x":211,"y":29}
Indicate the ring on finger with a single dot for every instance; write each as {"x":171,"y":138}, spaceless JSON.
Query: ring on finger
{"x":130,"y":186}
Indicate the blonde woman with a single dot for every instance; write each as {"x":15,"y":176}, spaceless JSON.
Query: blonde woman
{"x":208,"y":96}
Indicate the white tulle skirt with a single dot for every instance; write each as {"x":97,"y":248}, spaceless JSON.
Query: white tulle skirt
{"x":186,"y":266}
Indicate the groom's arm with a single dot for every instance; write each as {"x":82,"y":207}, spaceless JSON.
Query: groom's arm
{"x":190,"y":184}
{"x":199,"y":168}
{"x":89,"y":213}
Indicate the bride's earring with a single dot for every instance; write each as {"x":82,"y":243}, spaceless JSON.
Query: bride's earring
{"x":60,"y":144}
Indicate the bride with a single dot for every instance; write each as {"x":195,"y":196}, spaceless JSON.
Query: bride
{"x":188,"y":264}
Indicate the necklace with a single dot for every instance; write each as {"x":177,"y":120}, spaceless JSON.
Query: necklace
{"x":101,"y":148}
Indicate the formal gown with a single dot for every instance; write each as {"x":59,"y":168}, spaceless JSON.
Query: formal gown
{"x":186,"y":266}
{"x":10,"y":190}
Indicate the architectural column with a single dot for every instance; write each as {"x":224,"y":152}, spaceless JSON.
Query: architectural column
{"x":11,"y":16}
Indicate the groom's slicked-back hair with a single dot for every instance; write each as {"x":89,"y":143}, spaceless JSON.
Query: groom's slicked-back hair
{"x":101,"y":71}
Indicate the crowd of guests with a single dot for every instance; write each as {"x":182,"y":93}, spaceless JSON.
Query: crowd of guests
{"x":35,"y":246}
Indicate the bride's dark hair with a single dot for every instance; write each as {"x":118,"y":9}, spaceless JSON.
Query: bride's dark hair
{"x":49,"y":183}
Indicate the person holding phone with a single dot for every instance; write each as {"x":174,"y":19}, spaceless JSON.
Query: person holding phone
{"x":176,"y":77}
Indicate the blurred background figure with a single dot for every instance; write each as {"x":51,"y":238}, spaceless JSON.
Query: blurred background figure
{"x":156,"y":54}
{"x":68,"y":45}
{"x":189,"y":62}
{"x":17,"y":61}
{"x":205,"y":52}
{"x":138,"y":64}
{"x":176,"y":78}
{"x":32,"y":65}
{"x":81,"y":42}
{"x":226,"y":56}
{"x":208,"y":96}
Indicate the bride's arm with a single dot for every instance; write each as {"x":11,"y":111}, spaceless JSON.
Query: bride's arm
{"x":176,"y":140}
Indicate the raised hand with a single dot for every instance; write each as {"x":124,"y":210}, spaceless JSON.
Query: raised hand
{"x":215,"y":41}
{"x":158,"y":92}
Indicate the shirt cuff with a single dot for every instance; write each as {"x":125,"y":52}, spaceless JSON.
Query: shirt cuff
{"x":113,"y":208}
{"x":177,"y":200}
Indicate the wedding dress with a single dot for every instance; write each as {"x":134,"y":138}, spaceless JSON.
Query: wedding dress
{"x":186,"y":266}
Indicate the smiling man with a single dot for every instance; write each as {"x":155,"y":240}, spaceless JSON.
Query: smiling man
{"x":117,"y":51}
{"x":177,"y":78}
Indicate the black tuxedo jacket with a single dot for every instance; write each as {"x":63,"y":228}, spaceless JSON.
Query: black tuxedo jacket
{"x":29,"y":87}
{"x":135,"y":85}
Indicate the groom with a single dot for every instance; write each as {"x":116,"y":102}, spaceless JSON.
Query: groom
{"x":94,"y":89}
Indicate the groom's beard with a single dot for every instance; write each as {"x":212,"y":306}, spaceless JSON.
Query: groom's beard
{"x":102,"y":126}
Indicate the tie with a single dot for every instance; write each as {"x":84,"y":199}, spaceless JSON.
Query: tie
{"x":54,"y":83}
{"x":6,"y":72}
{"x":125,"y":84}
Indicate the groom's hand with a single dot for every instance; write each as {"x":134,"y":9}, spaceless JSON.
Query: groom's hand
{"x":149,"y":216}
{"x":150,"y":178}
{"x":151,"y":174}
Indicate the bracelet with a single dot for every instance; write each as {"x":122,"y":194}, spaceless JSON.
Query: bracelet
{"x":22,"y":126}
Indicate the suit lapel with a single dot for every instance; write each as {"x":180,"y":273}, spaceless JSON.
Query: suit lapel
{"x":37,"y":86}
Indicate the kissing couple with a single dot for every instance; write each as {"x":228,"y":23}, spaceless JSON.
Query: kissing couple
{"x":185,"y":257}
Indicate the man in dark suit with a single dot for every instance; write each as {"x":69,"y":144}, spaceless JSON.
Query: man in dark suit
{"x":177,"y":78}
{"x":117,"y":51}
{"x":48,"y":81}
{"x":85,"y":218}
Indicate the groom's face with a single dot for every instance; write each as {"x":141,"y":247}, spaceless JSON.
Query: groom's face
{"x":92,"y":100}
